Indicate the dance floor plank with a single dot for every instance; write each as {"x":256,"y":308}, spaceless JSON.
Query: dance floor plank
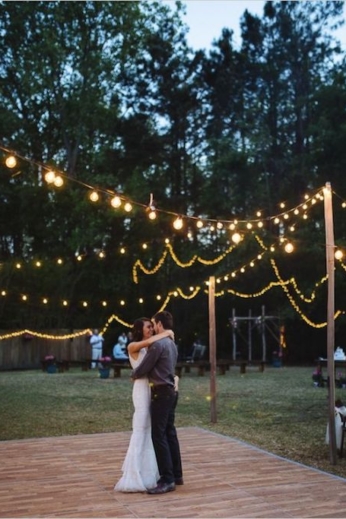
{"x":74,"y":477}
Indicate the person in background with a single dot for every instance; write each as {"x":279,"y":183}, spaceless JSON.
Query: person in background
{"x":122,"y":340}
{"x":159,"y":366}
{"x":139,"y":469}
{"x":96,"y":342}
{"x":119,"y":354}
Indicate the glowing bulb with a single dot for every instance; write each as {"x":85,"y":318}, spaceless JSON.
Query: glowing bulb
{"x":144,"y":246}
{"x":11,"y":162}
{"x":94,"y":196}
{"x":199,"y":224}
{"x":45,"y":301}
{"x":24,"y":298}
{"x":122,"y":302}
{"x":85,"y":304}
{"x":260,"y":224}
{"x":104,"y":303}
{"x":3,"y":292}
{"x":128,"y":207}
{"x":18,"y":266}
{"x":49,"y":177}
{"x":64,"y":303}
{"x":249,"y":225}
{"x":236,"y":237}
{"x":231,"y":227}
{"x":122,"y":250}
{"x":282,"y":205}
{"x":59,"y":261}
{"x":276,"y":221}
{"x":289,"y":248}
{"x":338,"y":254}
{"x":178,"y":223}
{"x":219,"y":225}
{"x":116,"y":202}
{"x":58,"y":181}
{"x":152,"y":215}
{"x":286,"y":216}
{"x":259,"y":214}
{"x":38,"y":264}
{"x":140,"y":300}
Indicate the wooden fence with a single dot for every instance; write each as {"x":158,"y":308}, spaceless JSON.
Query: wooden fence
{"x":27,"y":352}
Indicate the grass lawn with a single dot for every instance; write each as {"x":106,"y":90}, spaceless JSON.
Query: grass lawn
{"x":279,"y":410}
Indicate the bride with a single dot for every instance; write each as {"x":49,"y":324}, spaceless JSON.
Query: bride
{"x":139,"y":469}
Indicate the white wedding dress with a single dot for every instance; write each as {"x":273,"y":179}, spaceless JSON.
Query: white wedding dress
{"x":139,"y":469}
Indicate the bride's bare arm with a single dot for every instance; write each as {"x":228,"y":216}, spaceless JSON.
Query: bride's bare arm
{"x":133,"y":347}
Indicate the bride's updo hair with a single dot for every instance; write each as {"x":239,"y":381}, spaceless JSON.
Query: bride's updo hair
{"x":137,"y":329}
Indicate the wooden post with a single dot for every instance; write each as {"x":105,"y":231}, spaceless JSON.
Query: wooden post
{"x":330,"y":246}
{"x":234,"y":335}
{"x":249,"y":338}
{"x":264,"y":344}
{"x":212,"y":349}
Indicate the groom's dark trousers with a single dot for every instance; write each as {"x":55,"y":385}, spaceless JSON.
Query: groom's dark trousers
{"x":164,"y":434}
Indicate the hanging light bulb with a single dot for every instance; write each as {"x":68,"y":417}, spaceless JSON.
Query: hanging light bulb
{"x":152,"y":215}
{"x":94,"y":196}
{"x":49,"y":177}
{"x":249,"y":225}
{"x":236,"y":237}
{"x":58,"y":181}
{"x":199,"y":224}
{"x":338,"y":254}
{"x":116,"y":202}
{"x":128,"y":207}
{"x":178,"y":223}
{"x":11,"y":162}
{"x":289,"y":248}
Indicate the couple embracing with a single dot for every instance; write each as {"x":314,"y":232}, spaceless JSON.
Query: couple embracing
{"x":153,"y":462}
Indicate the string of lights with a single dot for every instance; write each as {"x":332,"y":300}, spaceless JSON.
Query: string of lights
{"x":239,"y":227}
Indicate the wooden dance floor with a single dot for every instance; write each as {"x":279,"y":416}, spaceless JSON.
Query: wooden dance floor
{"x":74,"y":477}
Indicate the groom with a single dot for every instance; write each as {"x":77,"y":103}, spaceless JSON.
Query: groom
{"x":159,"y":365}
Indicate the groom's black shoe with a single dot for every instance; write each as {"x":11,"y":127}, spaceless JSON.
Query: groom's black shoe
{"x":179,"y":481}
{"x":162,"y":488}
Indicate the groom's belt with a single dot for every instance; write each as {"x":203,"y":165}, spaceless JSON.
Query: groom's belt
{"x":161,"y":387}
